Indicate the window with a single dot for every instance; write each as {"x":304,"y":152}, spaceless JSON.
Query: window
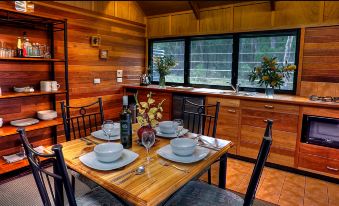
{"x":176,"y":49}
{"x":211,"y":62}
{"x":253,"y":48}
{"x":219,"y":61}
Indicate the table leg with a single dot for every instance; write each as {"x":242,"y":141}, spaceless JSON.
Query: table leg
{"x":222,"y":171}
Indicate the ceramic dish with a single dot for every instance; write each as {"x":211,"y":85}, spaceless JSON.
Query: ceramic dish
{"x":170,"y":136}
{"x":101,"y":135}
{"x":199,"y":154}
{"x":91,"y":161}
{"x":47,"y":114}
{"x":24,"y":122}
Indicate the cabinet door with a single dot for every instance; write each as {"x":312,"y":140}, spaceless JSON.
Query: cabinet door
{"x":158,"y":97}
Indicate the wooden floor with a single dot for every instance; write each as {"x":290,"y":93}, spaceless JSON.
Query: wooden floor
{"x":279,"y":187}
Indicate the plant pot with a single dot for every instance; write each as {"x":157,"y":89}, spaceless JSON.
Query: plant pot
{"x":269,"y":92}
{"x":143,"y":129}
{"x":162,"y":81}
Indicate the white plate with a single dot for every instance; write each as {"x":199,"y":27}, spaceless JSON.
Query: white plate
{"x":170,"y":136}
{"x":101,"y":135}
{"x":199,"y":154}
{"x":91,"y":161}
{"x":24,"y":122}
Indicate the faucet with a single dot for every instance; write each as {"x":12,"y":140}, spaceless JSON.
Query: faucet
{"x":236,"y":88}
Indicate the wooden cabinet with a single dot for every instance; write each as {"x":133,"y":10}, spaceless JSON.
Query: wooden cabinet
{"x":228,"y":122}
{"x":158,"y":97}
{"x":285,"y":128}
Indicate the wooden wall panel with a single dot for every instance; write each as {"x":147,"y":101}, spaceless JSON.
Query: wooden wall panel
{"x":159,"y":26}
{"x":216,"y":20}
{"x":295,"y":13}
{"x":253,"y":16}
{"x":182,"y":24}
{"x":124,"y":40}
{"x":331,"y":11}
{"x":122,"y":9}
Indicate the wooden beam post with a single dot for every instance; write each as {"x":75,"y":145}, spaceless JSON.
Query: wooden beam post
{"x":195,"y":8}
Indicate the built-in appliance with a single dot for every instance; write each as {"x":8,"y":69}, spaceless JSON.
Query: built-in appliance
{"x":324,"y":99}
{"x":321,"y":131}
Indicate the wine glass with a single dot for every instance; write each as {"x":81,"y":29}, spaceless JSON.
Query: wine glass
{"x":148,"y":139}
{"x":108,"y":128}
{"x":180,"y":124}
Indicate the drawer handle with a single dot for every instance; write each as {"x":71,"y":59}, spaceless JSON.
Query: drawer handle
{"x":333,"y":169}
{"x":231,"y":110}
{"x":269,"y":106}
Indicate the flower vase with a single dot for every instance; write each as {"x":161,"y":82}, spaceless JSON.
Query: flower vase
{"x":143,"y":129}
{"x":269,"y":92}
{"x":162,"y":81}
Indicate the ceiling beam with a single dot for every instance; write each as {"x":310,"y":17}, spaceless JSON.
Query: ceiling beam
{"x":195,"y":8}
{"x":272,"y":5}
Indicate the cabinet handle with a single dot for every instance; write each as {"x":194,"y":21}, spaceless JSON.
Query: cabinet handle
{"x":269,"y":106}
{"x":333,"y":169}
{"x":231,"y":110}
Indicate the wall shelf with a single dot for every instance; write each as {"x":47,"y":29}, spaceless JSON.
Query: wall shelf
{"x":24,"y":59}
{"x":7,"y":130}
{"x":8,"y":95}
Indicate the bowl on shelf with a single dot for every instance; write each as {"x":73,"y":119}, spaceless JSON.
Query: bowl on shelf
{"x":23,"y":89}
{"x":183,"y":146}
{"x":47,"y":114}
{"x":1,"y":122}
{"x":108,"y":152}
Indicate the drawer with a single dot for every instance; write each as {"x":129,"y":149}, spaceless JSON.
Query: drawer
{"x":268,"y":106}
{"x":223,"y":101}
{"x":281,"y":139}
{"x":282,"y":121}
{"x":325,"y":152}
{"x":318,"y":163}
{"x":277,"y":156}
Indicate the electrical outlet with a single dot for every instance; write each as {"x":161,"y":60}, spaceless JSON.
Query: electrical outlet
{"x":96,"y":81}
{"x":119,"y":73}
{"x":119,"y":79}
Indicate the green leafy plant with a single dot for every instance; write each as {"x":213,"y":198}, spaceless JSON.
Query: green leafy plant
{"x":149,"y":113}
{"x":270,"y":73}
{"x":164,"y":64}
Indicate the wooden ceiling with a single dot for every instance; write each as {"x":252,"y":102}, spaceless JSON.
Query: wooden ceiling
{"x":161,"y":7}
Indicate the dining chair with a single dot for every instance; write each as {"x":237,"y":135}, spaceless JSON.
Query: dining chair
{"x":51,"y":184}
{"x":81,"y":120}
{"x":201,"y":119}
{"x":199,"y":193}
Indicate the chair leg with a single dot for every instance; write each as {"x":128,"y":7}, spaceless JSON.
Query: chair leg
{"x":73,"y":183}
{"x":209,"y":179}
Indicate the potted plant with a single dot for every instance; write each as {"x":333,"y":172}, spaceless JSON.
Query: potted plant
{"x":149,"y":114}
{"x":271,"y":74}
{"x":163,"y":66}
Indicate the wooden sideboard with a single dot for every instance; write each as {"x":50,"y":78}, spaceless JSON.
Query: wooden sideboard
{"x":242,"y":120}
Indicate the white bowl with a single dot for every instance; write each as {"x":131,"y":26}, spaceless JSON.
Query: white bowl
{"x":1,"y":122}
{"x":108,"y":152}
{"x":47,"y":114}
{"x":183,"y":146}
{"x":168,"y":127}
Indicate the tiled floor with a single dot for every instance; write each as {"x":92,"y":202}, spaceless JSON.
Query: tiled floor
{"x":279,"y":187}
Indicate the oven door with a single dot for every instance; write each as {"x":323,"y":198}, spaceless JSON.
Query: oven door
{"x":322,"y":131}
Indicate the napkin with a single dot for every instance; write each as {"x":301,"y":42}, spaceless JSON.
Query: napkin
{"x":17,"y":157}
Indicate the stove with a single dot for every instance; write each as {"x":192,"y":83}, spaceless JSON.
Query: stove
{"x":324,"y":99}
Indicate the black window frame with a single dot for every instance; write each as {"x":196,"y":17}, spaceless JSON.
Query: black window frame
{"x":235,"y":56}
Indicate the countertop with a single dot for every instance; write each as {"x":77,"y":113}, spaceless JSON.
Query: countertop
{"x":278,"y":98}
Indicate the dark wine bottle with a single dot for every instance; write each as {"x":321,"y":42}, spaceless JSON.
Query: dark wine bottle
{"x":126,"y":125}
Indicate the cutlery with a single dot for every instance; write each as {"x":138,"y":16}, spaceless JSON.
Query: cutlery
{"x":166,"y":164}
{"x":140,"y":170}
{"x":94,"y":142}
{"x":205,"y":142}
{"x":85,"y":140}
{"x":84,"y":151}
{"x":127,"y":173}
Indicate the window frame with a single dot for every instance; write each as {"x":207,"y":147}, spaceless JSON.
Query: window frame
{"x":235,"y":56}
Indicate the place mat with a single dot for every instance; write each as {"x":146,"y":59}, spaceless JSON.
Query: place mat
{"x":17,"y":157}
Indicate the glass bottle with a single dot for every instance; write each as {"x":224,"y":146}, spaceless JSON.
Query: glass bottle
{"x":126,"y":125}
{"x":19,"y":47}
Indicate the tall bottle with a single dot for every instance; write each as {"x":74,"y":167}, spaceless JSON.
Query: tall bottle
{"x":19,"y":48}
{"x":126,"y":124}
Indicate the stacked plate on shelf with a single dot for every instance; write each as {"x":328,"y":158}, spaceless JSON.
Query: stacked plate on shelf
{"x":47,"y":114}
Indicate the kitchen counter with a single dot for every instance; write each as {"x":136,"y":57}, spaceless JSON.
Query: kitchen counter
{"x":279,"y":98}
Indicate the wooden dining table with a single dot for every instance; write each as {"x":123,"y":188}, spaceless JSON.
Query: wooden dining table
{"x":158,"y":182}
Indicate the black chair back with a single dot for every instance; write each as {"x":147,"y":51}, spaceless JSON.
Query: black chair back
{"x":259,"y":165}
{"x":81,"y":120}
{"x":200,"y":119}
{"x":45,"y":179}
